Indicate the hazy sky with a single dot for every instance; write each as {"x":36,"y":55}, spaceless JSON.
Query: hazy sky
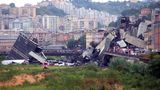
{"x":22,"y":2}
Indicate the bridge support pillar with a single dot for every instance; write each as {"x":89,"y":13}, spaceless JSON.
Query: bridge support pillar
{"x":105,"y":60}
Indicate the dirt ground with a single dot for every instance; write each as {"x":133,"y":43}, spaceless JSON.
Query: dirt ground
{"x":21,"y":79}
{"x":104,"y":84}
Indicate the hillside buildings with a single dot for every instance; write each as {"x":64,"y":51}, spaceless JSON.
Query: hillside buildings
{"x":26,"y":11}
{"x":68,"y":23}
{"x":49,"y":29}
{"x":95,"y":37}
{"x":156,"y":29}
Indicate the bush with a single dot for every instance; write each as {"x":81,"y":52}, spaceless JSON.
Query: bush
{"x":157,"y":56}
{"x":91,"y":67}
{"x":123,"y":65}
{"x":154,"y":68}
{"x":119,"y":64}
{"x":138,"y":75}
{"x":139,"y":68}
{"x":2,"y":58}
{"x":153,"y":56}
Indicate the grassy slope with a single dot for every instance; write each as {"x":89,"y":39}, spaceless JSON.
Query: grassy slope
{"x":78,"y":78}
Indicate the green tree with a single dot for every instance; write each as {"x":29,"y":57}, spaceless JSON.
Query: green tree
{"x":111,"y":7}
{"x":130,"y":12}
{"x":82,"y":42}
{"x":71,"y":44}
{"x":112,"y":24}
{"x":50,"y":10}
{"x":2,"y":58}
{"x":115,"y":24}
{"x":154,"y":68}
{"x":100,"y":25}
{"x":12,"y":5}
{"x":154,"y":5}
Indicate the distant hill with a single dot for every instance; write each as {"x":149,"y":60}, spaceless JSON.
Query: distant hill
{"x":50,"y":10}
{"x":154,"y":5}
{"x":111,"y":7}
{"x":136,"y":12}
{"x":116,"y":8}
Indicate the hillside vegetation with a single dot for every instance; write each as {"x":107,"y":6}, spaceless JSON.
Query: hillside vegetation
{"x":50,"y":10}
{"x":111,"y":7}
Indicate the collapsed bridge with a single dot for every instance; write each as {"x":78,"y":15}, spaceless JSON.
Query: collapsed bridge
{"x":27,"y":48}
